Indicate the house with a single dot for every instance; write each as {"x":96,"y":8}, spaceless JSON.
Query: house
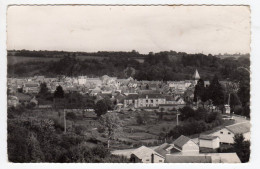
{"x":31,"y":88}
{"x":96,"y":81}
{"x":131,"y":101}
{"x":82,"y":80}
{"x":164,"y":149}
{"x":23,"y":98}
{"x":39,"y":78}
{"x":146,"y":155}
{"x":227,"y":133}
{"x":179,"y":100}
{"x":227,"y":109}
{"x":171,"y":158}
{"x":34,"y":100}
{"x":167,"y":107}
{"x":150,"y":100}
{"x":119,"y":98}
{"x":12,"y":101}
{"x":209,"y":141}
{"x":170,"y":99}
{"x":94,"y":92}
{"x":185,"y":145}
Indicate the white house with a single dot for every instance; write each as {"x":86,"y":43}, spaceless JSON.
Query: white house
{"x":12,"y":101}
{"x":146,"y":155}
{"x":151,"y":100}
{"x":227,"y":133}
{"x":185,"y":145}
{"x":82,"y":80}
{"x":209,"y":141}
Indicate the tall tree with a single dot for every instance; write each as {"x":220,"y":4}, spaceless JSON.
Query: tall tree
{"x":100,"y":108}
{"x":234,"y":101}
{"x":199,"y":92}
{"x":242,"y":147}
{"x":59,"y":93}
{"x":244,"y":92}
{"x":216,"y":92}
{"x":112,"y":126}
{"x":44,"y":92}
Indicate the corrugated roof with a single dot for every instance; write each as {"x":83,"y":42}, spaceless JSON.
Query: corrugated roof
{"x":239,"y":128}
{"x":187,"y":159}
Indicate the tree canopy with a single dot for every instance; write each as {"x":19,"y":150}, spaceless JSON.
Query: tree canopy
{"x":59,"y":93}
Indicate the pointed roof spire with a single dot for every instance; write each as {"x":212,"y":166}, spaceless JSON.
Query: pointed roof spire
{"x":196,"y":75}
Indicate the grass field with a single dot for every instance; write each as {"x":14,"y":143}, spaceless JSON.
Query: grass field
{"x":21,"y":59}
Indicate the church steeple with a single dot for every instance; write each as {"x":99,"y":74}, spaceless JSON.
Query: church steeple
{"x":196,"y":76}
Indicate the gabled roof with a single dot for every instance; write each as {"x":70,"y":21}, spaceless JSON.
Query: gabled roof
{"x":162,"y":149}
{"x":239,"y":128}
{"x":131,"y":97}
{"x":143,"y":152}
{"x":207,"y":137}
{"x":23,"y":97}
{"x":154,"y":96}
{"x":187,"y":159}
{"x":169,"y":98}
{"x":180,"y":141}
{"x":31,"y":85}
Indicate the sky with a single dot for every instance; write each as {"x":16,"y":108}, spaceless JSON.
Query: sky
{"x":191,"y":29}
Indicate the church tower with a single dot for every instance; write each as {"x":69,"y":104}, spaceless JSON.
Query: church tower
{"x":196,"y":76}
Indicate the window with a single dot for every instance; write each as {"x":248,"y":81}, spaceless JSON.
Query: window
{"x":151,"y":101}
{"x":229,"y":133}
{"x":146,"y":101}
{"x":221,"y":132}
{"x":147,"y":159}
{"x":160,"y":160}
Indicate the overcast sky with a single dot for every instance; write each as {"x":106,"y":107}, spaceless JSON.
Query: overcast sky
{"x":191,"y":29}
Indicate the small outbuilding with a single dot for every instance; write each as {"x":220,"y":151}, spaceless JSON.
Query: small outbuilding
{"x":207,"y":141}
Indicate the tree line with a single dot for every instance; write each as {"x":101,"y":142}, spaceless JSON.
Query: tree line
{"x":168,"y":65}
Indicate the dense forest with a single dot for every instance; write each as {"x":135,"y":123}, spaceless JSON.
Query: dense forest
{"x":155,"y":66}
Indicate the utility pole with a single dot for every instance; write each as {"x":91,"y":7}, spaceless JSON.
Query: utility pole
{"x":64,"y":120}
{"x":228,"y":98}
{"x":178,"y":117}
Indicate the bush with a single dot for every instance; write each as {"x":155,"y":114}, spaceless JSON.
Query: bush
{"x":59,"y":127}
{"x":79,"y":129}
{"x":71,"y":116}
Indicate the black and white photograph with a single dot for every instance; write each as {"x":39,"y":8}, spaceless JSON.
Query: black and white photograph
{"x":128,"y":83}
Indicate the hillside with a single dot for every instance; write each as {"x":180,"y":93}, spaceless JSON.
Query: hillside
{"x":153,"y":66}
